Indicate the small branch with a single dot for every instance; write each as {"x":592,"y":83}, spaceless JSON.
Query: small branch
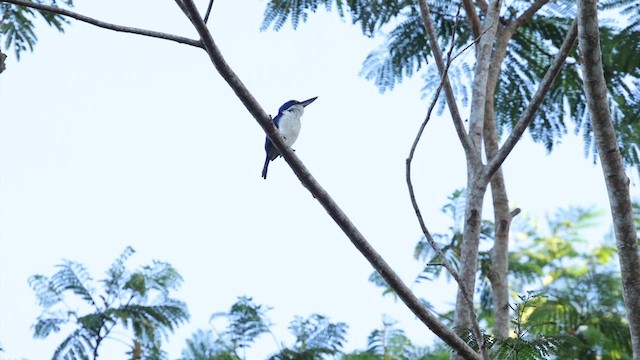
{"x":434,"y":245}
{"x":435,"y":264}
{"x":527,"y":116}
{"x":475,"y":41}
{"x":526,"y":15}
{"x":409,"y":160}
{"x":483,"y":5}
{"x":474,"y":19}
{"x":206,"y":15}
{"x":448,"y":90}
{"x":412,"y":196}
{"x":105,"y":25}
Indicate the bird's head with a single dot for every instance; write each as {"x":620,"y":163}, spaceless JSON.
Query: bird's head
{"x":295,"y":106}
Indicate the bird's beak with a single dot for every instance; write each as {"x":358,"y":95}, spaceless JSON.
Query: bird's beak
{"x":307,"y":102}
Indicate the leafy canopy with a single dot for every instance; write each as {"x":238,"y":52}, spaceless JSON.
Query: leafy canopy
{"x":529,"y":53}
{"x":138,"y":302}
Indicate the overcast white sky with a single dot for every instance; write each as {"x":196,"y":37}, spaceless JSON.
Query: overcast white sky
{"x":110,"y":139}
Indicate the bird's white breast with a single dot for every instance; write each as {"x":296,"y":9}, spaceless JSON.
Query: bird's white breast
{"x":289,"y":125}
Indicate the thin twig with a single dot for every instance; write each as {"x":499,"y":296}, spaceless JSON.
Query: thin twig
{"x":105,"y":25}
{"x":414,"y":202}
{"x":475,"y":41}
{"x":206,"y":15}
{"x":409,"y":160}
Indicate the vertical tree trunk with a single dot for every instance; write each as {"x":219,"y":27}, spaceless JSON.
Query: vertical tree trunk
{"x":476,"y":182}
{"x":469,"y":251}
{"x":499,"y":272}
{"x":616,"y":180}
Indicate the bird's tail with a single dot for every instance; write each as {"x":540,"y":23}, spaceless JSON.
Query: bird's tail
{"x":266,"y":167}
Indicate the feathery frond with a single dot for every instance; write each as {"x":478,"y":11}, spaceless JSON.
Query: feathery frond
{"x":247,"y":321}
{"x":77,"y":346}
{"x":72,"y":277}
{"x":138,"y":301}
{"x":317,"y":332}
{"x":279,"y":11}
{"x":17,"y":24}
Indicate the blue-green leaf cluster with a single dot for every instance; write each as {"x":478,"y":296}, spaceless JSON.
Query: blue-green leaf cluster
{"x":316,"y":337}
{"x":530,"y":51}
{"x":137,"y":301}
{"x":18,"y":27}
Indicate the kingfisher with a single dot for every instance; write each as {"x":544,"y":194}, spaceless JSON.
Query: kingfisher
{"x":288,"y":123}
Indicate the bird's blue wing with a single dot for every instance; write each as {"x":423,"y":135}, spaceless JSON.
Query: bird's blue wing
{"x":276,"y":120}
{"x":267,"y":144}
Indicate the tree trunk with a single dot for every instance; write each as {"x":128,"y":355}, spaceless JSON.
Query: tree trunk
{"x":616,"y":180}
{"x":499,"y":272}
{"x":469,"y":252}
{"x":476,"y":182}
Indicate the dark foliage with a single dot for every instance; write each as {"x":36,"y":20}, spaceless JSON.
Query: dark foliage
{"x":529,"y":54}
{"x":17,"y":25}
{"x":137,"y":301}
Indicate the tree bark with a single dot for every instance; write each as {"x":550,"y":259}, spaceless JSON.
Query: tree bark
{"x":476,"y":182}
{"x":616,"y":179}
{"x":498,"y":275}
{"x":499,"y":272}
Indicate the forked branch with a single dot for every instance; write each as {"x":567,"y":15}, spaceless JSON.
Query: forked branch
{"x":527,"y":116}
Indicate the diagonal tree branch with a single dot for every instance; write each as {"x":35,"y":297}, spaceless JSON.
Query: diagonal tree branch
{"x":341,"y":219}
{"x":448,"y":90}
{"x":105,"y":25}
{"x":526,"y":16}
{"x":527,"y":116}
{"x":182,"y":7}
{"x":206,"y":15}
{"x":474,"y":19}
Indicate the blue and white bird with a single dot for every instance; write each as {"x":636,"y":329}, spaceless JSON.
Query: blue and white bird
{"x":288,"y":123}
